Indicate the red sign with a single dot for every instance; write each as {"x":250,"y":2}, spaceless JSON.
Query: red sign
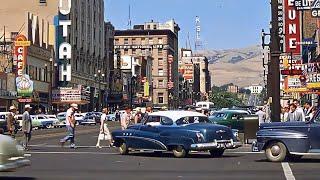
{"x":291,"y":72}
{"x":20,"y":53}
{"x":292,"y":28}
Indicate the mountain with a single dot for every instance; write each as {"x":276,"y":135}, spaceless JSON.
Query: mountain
{"x":242,"y":67}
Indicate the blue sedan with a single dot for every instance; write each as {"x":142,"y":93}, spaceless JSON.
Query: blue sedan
{"x":176,"y":131}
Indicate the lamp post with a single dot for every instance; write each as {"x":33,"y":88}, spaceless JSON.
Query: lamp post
{"x":99,"y":76}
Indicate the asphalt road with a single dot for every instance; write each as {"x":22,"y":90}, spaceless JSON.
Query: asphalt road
{"x":50,"y":161}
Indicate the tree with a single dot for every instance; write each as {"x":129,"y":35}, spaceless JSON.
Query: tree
{"x":225,"y":99}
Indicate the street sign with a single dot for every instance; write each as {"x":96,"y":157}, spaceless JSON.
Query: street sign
{"x":25,"y":100}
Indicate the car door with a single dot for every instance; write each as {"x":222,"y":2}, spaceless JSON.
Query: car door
{"x":148,"y":136}
{"x":314,"y":134}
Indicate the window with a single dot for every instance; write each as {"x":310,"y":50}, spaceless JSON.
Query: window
{"x":160,"y":84}
{"x":148,"y":26}
{"x":154,"y":26}
{"x":126,"y":41}
{"x":159,"y":52}
{"x":143,"y":41}
{"x":160,"y":98}
{"x":134,"y":41}
{"x":134,"y":51}
{"x":117,"y":41}
{"x":160,"y":41}
{"x":192,"y":119}
{"x":126,"y":52}
{"x":160,"y":72}
{"x":150,"y":41}
{"x":43,"y":2}
{"x":160,"y":62}
{"x":166,"y":121}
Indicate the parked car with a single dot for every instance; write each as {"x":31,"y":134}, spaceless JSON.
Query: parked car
{"x":62,"y":118}
{"x":54,"y":119}
{"x":11,"y":155}
{"x":41,"y":121}
{"x":231,"y":118}
{"x":89,"y":120}
{"x":79,"y":118}
{"x":111,"y":117}
{"x":176,"y":131}
{"x":289,"y":140}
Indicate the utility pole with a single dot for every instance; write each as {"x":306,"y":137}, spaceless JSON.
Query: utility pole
{"x":274,"y":86}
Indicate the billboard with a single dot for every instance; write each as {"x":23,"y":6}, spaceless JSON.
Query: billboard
{"x":24,"y":86}
{"x":292,"y":28}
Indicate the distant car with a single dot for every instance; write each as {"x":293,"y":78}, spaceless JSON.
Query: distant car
{"x":41,"y":121}
{"x":205,"y":105}
{"x":54,"y":119}
{"x":89,"y":119}
{"x":111,"y":117}
{"x":176,"y":131}
{"x":3,"y":121}
{"x":289,"y":140}
{"x":62,"y":118}
{"x":11,"y":155}
{"x":231,"y":118}
{"x":79,"y":118}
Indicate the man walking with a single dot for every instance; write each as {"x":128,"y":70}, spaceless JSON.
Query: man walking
{"x":26,"y":125}
{"x":70,"y":124}
{"x":11,"y":121}
{"x":294,"y":114}
{"x":299,"y":108}
{"x":126,"y":118}
{"x":307,"y":110}
{"x":261,"y":115}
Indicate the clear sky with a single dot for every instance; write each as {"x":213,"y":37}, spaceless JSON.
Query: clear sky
{"x":225,"y":24}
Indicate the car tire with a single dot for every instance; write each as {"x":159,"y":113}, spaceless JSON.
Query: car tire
{"x":123,"y":149}
{"x":179,"y":152}
{"x":293,"y":157}
{"x":276,"y":152}
{"x":216,"y":153}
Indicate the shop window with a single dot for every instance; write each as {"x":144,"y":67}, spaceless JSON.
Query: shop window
{"x":160,"y":98}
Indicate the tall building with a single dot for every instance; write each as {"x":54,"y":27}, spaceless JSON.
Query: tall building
{"x":86,"y":36}
{"x":194,"y":68}
{"x":158,"y":42}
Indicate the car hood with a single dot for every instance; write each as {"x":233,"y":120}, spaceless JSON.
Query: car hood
{"x":281,"y":125}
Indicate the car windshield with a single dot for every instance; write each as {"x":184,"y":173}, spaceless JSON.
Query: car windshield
{"x":192,"y":119}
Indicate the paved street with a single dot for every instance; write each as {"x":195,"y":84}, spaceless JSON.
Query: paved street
{"x":49,"y":161}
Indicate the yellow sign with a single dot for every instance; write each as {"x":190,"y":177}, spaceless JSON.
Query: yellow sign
{"x":296,"y":90}
{"x":313,"y":85}
{"x":146,"y":89}
{"x":22,"y":43}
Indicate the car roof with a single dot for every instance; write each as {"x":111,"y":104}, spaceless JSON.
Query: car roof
{"x":234,"y":111}
{"x":175,"y":115}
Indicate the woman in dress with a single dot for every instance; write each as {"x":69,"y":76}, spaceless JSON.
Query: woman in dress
{"x":104,"y":131}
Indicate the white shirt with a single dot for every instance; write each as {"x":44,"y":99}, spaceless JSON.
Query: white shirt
{"x":261,"y":116}
{"x":68,"y":114}
{"x":299,"y":109}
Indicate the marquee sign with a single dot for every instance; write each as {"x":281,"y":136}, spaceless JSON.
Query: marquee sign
{"x":64,"y":47}
{"x":170,"y":80}
{"x":20,"y":53}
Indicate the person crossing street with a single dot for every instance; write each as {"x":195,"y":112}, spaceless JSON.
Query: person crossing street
{"x":104,"y":133}
{"x":70,"y":124}
{"x":11,"y":121}
{"x":26,"y":126}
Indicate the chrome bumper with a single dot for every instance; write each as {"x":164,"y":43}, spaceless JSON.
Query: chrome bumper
{"x":224,"y":144}
{"x":14,"y":163}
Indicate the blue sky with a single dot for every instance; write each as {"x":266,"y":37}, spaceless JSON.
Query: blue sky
{"x":225,"y":24}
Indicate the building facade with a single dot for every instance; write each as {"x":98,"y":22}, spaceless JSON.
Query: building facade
{"x":158,"y":42}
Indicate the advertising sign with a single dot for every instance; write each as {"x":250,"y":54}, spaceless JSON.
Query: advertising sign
{"x":292,"y":28}
{"x":315,"y":9}
{"x":78,"y":95}
{"x":302,"y":5}
{"x":24,"y":86}
{"x":188,"y":71}
{"x":20,"y":53}
{"x":281,"y":24}
{"x":170,"y":81}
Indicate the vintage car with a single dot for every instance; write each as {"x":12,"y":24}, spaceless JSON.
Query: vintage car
{"x":11,"y":154}
{"x":176,"y":131}
{"x":289,"y":140}
{"x":231,"y":118}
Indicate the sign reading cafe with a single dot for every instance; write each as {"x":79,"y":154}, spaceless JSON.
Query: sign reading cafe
{"x":64,"y":47}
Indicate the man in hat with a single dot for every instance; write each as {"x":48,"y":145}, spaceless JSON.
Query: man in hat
{"x":26,"y":125}
{"x":11,"y":121}
{"x":70,"y":124}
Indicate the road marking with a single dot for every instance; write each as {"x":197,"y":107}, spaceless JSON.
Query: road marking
{"x":287,"y":171}
{"x":95,"y":153}
{"x":59,"y":146}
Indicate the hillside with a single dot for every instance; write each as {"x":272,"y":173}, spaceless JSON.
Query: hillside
{"x":242,"y":67}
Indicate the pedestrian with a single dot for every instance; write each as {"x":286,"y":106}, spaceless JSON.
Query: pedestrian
{"x":307,"y":110}
{"x":117,"y":115}
{"x":138,"y":116}
{"x":261,"y":116}
{"x":126,"y":118}
{"x":284,"y":114}
{"x":11,"y":121}
{"x":313,"y":112}
{"x":26,"y":126}
{"x":299,"y":108}
{"x":104,"y":133}
{"x":70,"y":124}
{"x":294,"y":114}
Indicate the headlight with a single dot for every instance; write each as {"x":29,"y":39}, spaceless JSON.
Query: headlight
{"x":200,"y":137}
{"x":235,"y":133}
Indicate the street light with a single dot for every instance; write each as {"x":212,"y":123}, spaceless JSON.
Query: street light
{"x":99,"y":76}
